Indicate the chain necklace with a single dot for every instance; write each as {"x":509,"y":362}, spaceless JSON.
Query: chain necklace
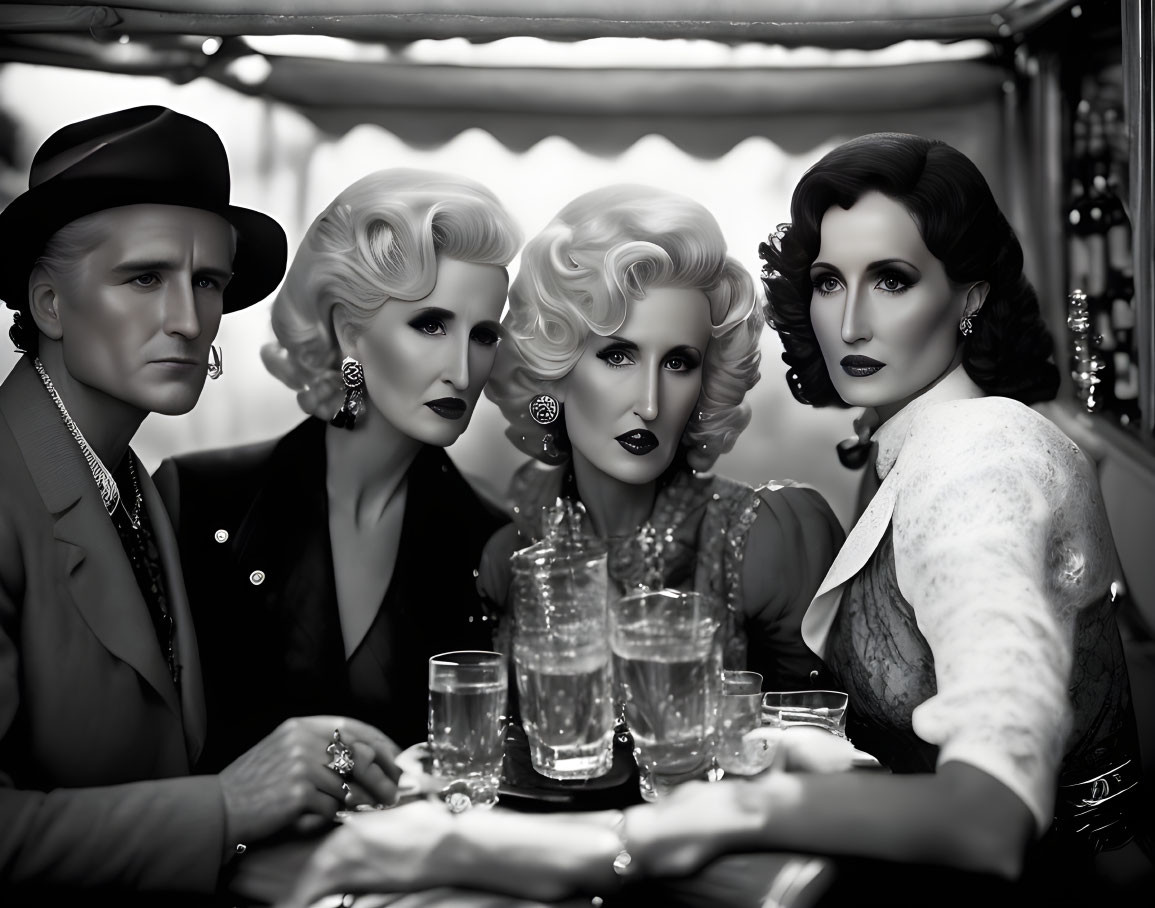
{"x":109,"y":491}
{"x":138,"y":499}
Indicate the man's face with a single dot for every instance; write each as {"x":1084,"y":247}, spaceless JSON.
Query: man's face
{"x":139,"y":311}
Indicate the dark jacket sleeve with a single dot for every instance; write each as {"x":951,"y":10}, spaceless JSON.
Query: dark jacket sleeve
{"x":791,"y":545}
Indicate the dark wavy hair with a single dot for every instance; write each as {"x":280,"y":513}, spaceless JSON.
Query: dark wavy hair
{"x":1010,"y":353}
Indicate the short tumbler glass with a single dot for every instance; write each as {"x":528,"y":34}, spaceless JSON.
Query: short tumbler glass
{"x":562,"y":658}
{"x":667,"y":673}
{"x":819,"y":708}
{"x":468,"y":693}
{"x":739,"y":713}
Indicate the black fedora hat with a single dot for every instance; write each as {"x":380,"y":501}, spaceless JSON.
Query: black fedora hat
{"x":144,"y":155}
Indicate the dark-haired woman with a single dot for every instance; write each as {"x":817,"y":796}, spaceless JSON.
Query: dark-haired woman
{"x":969,"y":614}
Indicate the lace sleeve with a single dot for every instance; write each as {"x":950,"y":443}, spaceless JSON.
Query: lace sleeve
{"x":979,"y":541}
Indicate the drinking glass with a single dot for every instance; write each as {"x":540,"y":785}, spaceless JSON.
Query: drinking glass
{"x":821,"y":708}
{"x":467,"y":703}
{"x":667,"y":674}
{"x":740,"y":712}
{"x":562,"y":658}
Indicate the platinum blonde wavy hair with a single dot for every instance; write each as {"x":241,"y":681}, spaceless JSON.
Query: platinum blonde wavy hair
{"x":577,"y":278}
{"x":378,"y":240}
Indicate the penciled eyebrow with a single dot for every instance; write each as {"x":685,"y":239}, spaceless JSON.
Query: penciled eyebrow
{"x":621,"y":343}
{"x":873,"y":266}
{"x":443,"y":314}
{"x":888,"y":263}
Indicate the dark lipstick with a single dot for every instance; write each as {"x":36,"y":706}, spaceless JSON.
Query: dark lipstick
{"x":447,"y":407}
{"x":638,"y":441}
{"x":860,"y":366}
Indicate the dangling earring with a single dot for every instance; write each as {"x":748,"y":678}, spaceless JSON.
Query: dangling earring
{"x":216,"y":362}
{"x":965,"y":326}
{"x":545,"y":410}
{"x":16,"y":332}
{"x":353,"y":377}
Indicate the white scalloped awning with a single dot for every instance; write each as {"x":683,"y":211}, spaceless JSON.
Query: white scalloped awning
{"x":602,"y":73}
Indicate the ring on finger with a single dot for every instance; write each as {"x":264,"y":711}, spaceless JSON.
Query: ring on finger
{"x":340,"y":755}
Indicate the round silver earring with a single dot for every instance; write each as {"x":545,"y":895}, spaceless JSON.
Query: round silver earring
{"x":544,"y":409}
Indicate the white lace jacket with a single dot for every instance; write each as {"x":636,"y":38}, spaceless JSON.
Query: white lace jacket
{"x":1000,"y":538}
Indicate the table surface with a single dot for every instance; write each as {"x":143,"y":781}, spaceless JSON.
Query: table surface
{"x":764,"y":880}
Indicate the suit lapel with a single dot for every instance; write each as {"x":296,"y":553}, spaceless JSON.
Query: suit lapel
{"x":99,"y":578}
{"x":188,"y":655}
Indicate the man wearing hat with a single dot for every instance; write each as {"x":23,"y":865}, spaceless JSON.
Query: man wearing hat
{"x":119,"y":261}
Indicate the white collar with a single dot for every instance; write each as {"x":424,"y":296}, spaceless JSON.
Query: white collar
{"x":890,"y":436}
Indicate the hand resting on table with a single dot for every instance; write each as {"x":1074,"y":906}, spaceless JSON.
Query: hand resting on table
{"x":549,"y":857}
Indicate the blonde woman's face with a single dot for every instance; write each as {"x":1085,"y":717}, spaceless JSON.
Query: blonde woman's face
{"x":884,"y":312}
{"x":426,"y":362}
{"x":630,"y":395}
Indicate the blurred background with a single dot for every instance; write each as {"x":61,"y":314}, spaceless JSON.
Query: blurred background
{"x":727,"y":101}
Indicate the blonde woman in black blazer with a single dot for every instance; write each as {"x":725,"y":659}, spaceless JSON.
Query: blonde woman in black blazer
{"x":327,"y":566}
